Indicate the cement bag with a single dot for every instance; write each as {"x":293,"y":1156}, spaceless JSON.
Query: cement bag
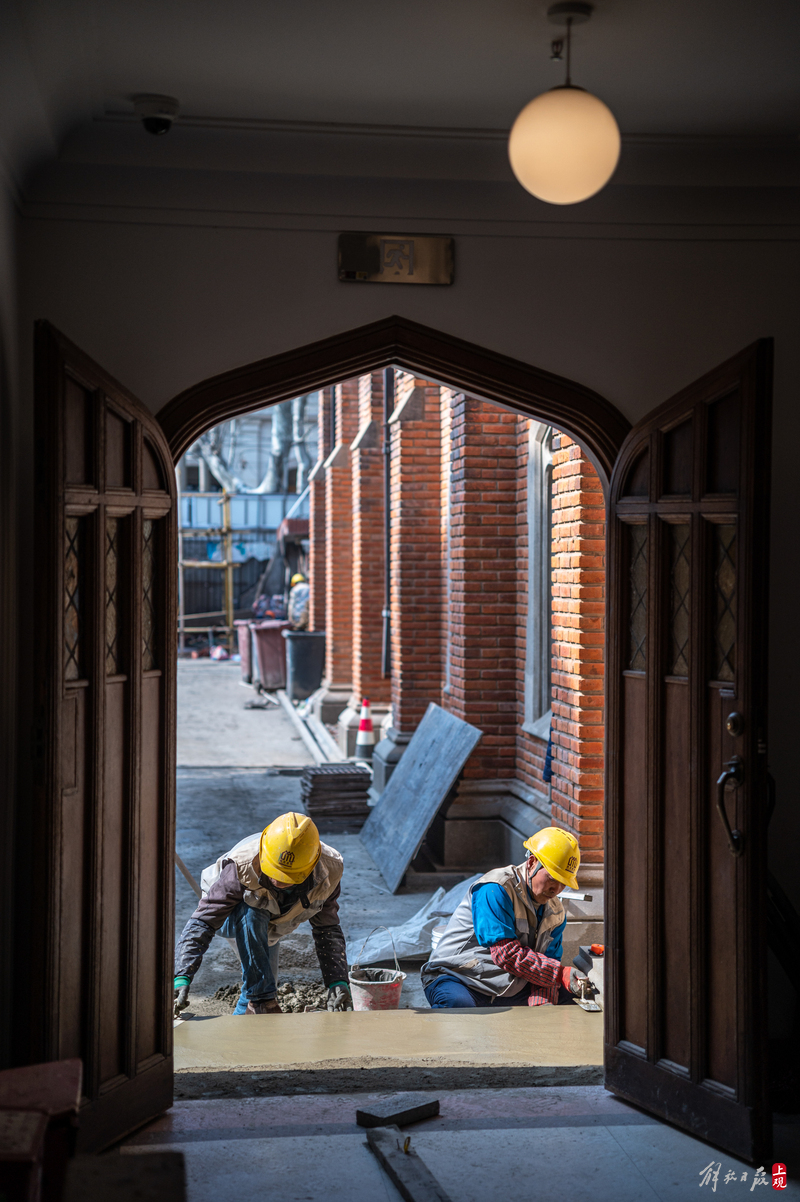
{"x":412,"y":939}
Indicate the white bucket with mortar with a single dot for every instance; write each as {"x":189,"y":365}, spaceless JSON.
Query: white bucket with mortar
{"x":376,"y":988}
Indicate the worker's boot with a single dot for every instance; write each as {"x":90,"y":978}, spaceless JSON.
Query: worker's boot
{"x":270,"y":1007}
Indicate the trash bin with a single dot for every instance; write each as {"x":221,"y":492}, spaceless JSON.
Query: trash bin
{"x":242,"y":627}
{"x":305,"y":662}
{"x":269,"y":653}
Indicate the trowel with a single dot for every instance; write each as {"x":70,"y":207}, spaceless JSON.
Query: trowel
{"x":583,"y":1001}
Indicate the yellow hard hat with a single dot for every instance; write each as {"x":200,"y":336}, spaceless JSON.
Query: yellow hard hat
{"x":298,"y":578}
{"x":558,"y":852}
{"x":289,"y":848}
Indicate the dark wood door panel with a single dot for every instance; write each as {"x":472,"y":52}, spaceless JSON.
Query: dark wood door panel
{"x":689,"y":502}
{"x":104,"y":796}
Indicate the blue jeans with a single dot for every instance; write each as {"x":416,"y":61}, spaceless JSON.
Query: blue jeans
{"x":448,"y":993}
{"x":250,"y":928}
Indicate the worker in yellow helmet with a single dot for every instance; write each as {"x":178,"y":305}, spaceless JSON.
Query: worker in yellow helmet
{"x":299,"y":594}
{"x":503,"y":944}
{"x":258,"y":893}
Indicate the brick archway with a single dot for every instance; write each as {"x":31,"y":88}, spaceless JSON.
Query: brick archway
{"x":596,"y":424}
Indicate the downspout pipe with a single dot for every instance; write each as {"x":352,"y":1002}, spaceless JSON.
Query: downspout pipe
{"x":388,"y":408}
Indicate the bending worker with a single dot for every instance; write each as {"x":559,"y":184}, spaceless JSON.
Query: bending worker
{"x":257,"y":894}
{"x":504,"y":941}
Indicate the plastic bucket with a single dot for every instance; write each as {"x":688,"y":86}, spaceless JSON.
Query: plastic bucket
{"x":436,"y":935}
{"x":376,"y":988}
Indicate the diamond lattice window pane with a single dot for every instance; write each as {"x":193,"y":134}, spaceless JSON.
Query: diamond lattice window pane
{"x":113,"y":664}
{"x":725,"y":602}
{"x":72,"y":598}
{"x":637,"y":626}
{"x":679,"y":580}
{"x":149,"y":632}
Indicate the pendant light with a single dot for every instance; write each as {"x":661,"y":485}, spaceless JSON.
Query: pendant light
{"x":564,"y":146}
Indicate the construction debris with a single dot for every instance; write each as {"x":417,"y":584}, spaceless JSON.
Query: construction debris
{"x":294,"y":997}
{"x":336,"y":791}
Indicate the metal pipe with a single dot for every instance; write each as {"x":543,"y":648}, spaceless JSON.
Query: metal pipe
{"x":388,"y":407}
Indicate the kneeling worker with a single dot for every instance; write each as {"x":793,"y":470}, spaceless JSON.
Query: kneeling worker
{"x":504,"y":942}
{"x":257,"y":894}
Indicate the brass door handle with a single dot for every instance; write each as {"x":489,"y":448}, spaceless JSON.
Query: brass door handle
{"x":734,"y":772}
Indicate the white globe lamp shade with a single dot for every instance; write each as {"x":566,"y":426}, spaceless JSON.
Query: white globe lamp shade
{"x":564,"y":146}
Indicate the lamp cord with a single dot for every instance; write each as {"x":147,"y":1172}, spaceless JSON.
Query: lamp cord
{"x":569,"y":51}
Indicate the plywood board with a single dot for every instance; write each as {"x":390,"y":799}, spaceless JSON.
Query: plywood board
{"x":438,"y":751}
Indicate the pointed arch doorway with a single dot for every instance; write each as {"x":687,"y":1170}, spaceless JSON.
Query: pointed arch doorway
{"x":689,"y":483}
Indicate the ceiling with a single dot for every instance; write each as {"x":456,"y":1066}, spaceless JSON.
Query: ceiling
{"x":665,"y":67}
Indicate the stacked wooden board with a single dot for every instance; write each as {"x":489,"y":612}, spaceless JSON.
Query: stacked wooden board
{"x":336,"y":791}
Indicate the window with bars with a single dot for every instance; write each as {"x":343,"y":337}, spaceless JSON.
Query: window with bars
{"x":538,"y":638}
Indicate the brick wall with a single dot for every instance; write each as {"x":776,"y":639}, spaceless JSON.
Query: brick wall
{"x":459,"y":484}
{"x":316,"y":516}
{"x":366,"y":463}
{"x":483,"y":582}
{"x":416,"y":552}
{"x":578,"y":646}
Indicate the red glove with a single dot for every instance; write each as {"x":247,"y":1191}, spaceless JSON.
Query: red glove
{"x":571,"y":980}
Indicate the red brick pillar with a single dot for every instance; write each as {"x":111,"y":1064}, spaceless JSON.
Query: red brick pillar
{"x":339,"y":558}
{"x":316,"y":515}
{"x":366,"y":463}
{"x":578,"y":647}
{"x":416,"y":563}
{"x":483,"y":584}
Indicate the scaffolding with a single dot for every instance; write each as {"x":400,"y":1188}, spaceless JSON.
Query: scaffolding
{"x":256,"y":514}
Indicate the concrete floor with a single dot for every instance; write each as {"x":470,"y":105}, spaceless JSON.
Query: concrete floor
{"x":214,"y":728}
{"x":486,"y":1145}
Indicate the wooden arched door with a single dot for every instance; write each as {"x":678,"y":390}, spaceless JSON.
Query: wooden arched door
{"x":103,"y":823}
{"x":687,"y":704}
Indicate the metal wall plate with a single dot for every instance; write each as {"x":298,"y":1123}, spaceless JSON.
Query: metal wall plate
{"x":396,"y":258}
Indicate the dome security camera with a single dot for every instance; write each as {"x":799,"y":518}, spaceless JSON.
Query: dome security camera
{"x":157,"y":112}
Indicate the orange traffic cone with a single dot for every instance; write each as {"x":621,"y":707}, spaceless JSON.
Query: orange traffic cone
{"x":365,"y":739}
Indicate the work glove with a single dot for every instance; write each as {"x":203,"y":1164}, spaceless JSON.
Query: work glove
{"x":180,"y":996}
{"x":339,"y":997}
{"x":571,"y":980}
